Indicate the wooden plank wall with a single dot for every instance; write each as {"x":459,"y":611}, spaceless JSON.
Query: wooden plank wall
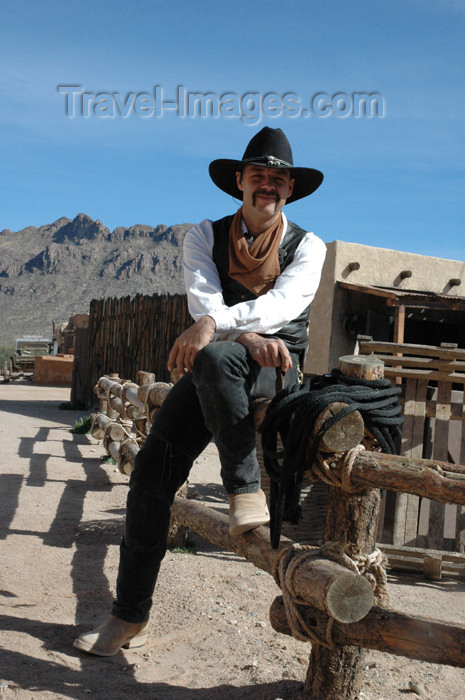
{"x":407,"y":505}
{"x":430,"y":406}
{"x":81,"y":350}
{"x":131,"y":334}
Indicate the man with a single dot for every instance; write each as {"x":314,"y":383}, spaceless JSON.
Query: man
{"x":250,"y":279}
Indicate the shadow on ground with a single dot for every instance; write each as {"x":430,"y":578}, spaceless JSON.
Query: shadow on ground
{"x":88,"y":681}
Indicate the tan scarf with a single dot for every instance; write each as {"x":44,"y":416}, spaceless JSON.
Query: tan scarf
{"x":256,"y":267}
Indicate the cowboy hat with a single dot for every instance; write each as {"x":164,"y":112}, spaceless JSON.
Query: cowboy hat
{"x":268,"y":149}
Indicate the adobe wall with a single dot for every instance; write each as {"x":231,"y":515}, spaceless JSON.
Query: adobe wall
{"x":54,"y":370}
{"x":378,"y":267}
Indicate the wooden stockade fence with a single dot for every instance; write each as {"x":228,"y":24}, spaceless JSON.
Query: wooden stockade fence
{"x":131,"y":334}
{"x":323,"y":601}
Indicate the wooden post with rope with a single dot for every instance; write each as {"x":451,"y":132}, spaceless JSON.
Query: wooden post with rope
{"x":351,"y":520}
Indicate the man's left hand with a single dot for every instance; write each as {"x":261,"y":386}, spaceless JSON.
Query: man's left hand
{"x":189,"y":343}
{"x":268,"y":352}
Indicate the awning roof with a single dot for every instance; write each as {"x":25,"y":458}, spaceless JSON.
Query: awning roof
{"x":408,"y":298}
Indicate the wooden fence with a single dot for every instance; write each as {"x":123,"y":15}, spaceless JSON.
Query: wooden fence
{"x":434,"y":428}
{"x":332,"y":603}
{"x":130,"y":334}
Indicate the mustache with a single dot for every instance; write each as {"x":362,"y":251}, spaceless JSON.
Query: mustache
{"x":266,"y":193}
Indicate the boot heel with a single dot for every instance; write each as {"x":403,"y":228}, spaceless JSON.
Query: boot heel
{"x":135,"y":642}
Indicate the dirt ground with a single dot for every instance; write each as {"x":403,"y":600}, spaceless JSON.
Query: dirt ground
{"x":61,"y":520}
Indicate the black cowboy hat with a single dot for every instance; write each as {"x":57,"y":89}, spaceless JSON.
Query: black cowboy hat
{"x":269,"y":149}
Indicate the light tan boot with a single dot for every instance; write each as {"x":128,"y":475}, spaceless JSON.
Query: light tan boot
{"x":247,"y":511}
{"x":111,"y":636}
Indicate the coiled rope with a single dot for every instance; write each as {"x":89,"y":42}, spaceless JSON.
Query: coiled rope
{"x":376,"y":400}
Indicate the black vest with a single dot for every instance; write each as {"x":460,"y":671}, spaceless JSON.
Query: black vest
{"x":294,"y":333}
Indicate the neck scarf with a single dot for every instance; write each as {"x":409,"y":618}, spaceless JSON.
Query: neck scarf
{"x":257,"y":267}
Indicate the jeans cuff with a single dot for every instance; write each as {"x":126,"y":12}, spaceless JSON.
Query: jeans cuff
{"x":244,"y":489}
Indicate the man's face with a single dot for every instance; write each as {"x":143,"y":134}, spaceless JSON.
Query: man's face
{"x":265,"y":190}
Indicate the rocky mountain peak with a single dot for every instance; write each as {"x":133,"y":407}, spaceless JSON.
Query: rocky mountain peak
{"x":50,"y":272}
{"x":81,"y":228}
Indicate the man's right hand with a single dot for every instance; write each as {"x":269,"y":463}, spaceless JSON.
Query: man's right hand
{"x":189,"y":343}
{"x":268,"y":352}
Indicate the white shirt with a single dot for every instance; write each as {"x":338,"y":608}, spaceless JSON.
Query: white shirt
{"x":292,"y":292}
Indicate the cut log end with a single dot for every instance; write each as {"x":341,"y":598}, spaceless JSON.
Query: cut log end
{"x":144,"y":378}
{"x":158,"y":393}
{"x":343,"y":435}
{"x":349,"y":598}
{"x":362,"y":366}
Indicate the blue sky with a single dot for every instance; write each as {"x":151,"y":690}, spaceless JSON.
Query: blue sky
{"x":395,"y":181}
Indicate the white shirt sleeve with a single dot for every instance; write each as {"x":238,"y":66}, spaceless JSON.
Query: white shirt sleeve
{"x":292,"y":292}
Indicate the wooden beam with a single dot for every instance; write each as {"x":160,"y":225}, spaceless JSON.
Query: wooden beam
{"x":214,"y":526}
{"x":365,"y":289}
{"x":440,"y":451}
{"x":414,"y":560}
{"x":452,"y":377}
{"x":375,"y":346}
{"x":387,"y":630}
{"x":420,"y":303}
{"x":407,"y":504}
{"x":456,"y":411}
{"x":399,"y":324}
{"x":129,"y":392}
{"x":430,"y":478}
{"x":317,"y":581}
{"x":460,"y":516}
{"x":102,"y":425}
{"x":423,"y":362}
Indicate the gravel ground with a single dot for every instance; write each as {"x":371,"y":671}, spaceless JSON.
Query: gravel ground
{"x":61,"y":519}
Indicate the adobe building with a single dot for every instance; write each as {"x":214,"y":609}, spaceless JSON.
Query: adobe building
{"x":389,"y":295}
{"x":53,"y":370}
{"x":57,"y":369}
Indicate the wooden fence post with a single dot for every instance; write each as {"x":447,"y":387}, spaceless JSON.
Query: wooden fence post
{"x":351,"y":520}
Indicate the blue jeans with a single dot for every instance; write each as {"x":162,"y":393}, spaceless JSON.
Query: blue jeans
{"x":213,"y":400}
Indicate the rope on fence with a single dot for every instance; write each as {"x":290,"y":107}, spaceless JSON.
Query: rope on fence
{"x":288,"y":561}
{"x":377,"y":403}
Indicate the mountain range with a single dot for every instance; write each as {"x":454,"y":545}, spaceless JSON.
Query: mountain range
{"x":51,"y":272}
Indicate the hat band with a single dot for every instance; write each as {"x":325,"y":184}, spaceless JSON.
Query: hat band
{"x":268,"y":161}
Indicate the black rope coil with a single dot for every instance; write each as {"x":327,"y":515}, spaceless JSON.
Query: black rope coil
{"x":376,"y":400}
